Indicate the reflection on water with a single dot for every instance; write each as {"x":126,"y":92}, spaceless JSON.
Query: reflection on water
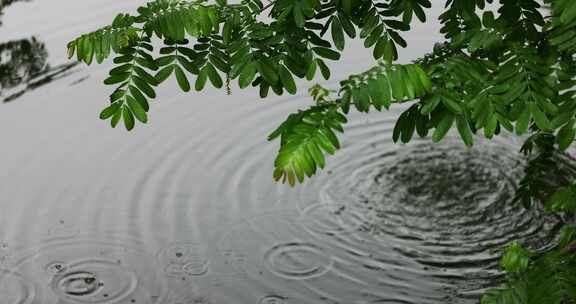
{"x":21,"y":60}
{"x":185,"y":211}
{"x":6,"y":3}
{"x":24,"y":65}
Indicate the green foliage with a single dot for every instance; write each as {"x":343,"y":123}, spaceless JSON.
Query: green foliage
{"x":308,"y":135}
{"x":382,"y":85}
{"x":99,"y":44}
{"x":562,"y":35}
{"x":548,"y":277}
{"x":548,"y":175}
{"x":563,"y":200}
{"x":305,"y":137}
{"x":510,"y":69}
{"x":515,"y":258}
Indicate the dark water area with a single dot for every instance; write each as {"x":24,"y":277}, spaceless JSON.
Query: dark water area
{"x":184,"y":210}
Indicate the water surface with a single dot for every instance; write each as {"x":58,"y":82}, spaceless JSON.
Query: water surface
{"x":184,"y":210}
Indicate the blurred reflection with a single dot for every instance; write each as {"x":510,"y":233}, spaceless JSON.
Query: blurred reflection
{"x":5,"y":3}
{"x":24,"y":65}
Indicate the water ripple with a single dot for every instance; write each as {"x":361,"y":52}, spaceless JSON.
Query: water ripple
{"x":86,"y":272}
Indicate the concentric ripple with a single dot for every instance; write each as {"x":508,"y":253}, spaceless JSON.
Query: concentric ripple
{"x":384,"y":223}
{"x":77,"y":284}
{"x":95,"y":281}
{"x":88,"y":272}
{"x":288,"y":252}
{"x":297,"y":260}
{"x":183,"y":259}
{"x":273,"y":299}
{"x":14,"y":289}
{"x":445,"y":207}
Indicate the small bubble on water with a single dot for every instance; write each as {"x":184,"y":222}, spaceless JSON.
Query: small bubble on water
{"x":56,"y":268}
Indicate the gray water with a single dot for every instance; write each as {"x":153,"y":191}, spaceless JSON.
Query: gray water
{"x":184,"y":210}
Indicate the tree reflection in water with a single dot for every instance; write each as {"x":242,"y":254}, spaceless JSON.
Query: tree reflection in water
{"x":24,"y":64}
{"x":6,"y":3}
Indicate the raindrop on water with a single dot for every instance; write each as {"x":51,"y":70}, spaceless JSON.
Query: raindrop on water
{"x":78,"y":284}
{"x":298,"y":260}
{"x":272,"y":299}
{"x":183,"y":258}
{"x":56,"y":268}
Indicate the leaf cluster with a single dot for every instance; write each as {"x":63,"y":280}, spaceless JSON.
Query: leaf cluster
{"x":548,"y":277}
{"x":510,"y":69}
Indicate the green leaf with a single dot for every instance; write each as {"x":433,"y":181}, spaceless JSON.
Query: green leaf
{"x":379,"y":91}
{"x":430,"y":105}
{"x":137,"y":109}
{"x":347,"y":6}
{"x":539,"y":117}
{"x":116,"y":118}
{"x":451,"y":104}
{"x":515,"y":258}
{"x":139,"y":97}
{"x":338,"y":34}
{"x":110,"y":111}
{"x":201,"y":80}
{"x":399,"y":126}
{"x":347,"y":25}
{"x":71,"y":48}
{"x":361,"y":99}
{"x":464,"y":130}
{"x":311,"y":72}
{"x":165,"y":60}
{"x":189,"y":66}
{"x":398,"y":84}
{"x":128,"y":118}
{"x":490,"y":127}
{"x":565,"y":137}
{"x":390,"y":52}
{"x":299,"y":18}
{"x":304,"y":137}
{"x":116,"y":78}
{"x":324,"y":70}
{"x":146,"y":76}
{"x":247,"y":75}
{"x":121,"y":70}
{"x":164,"y":73}
{"x":287,"y":80}
{"x":144,"y":87}
{"x":401,"y":26}
{"x":267,"y":72}
{"x":409,"y":126}
{"x":443,"y":127}
{"x":568,"y":14}
{"x":213,"y":75}
{"x":181,"y":79}
{"x":523,"y":121}
{"x":380,"y":48}
{"x":488,"y":19}
{"x":326,"y":53}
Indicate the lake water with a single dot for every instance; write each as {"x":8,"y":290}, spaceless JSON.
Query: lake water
{"x":184,"y":210}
